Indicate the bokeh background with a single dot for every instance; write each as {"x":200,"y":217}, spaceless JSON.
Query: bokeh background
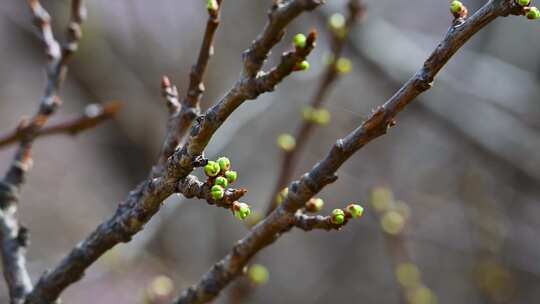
{"x":464,"y":157}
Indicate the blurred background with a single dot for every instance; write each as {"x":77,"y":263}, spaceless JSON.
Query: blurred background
{"x":463,"y":161}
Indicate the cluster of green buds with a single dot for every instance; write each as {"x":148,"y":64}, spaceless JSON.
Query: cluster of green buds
{"x":286,"y":142}
{"x":319,"y":116}
{"x":531,"y":12}
{"x":300,"y":42}
{"x":220,"y":176}
{"x":338,"y":216}
{"x":337,"y":25}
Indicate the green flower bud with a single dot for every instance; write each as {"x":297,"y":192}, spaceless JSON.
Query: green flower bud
{"x":336,"y":21}
{"x":302,"y":66}
{"x":321,"y":116}
{"x":241,"y":210}
{"x":212,"y":5}
{"x":314,"y":205}
{"x":343,"y":65}
{"x":224,"y":163}
{"x":533,"y":13}
{"x":286,"y":142}
{"x":337,"y":217}
{"x":523,"y":2}
{"x":217,"y":192}
{"x":258,"y":274}
{"x":211,"y":168}
{"x":231,"y":176}
{"x":456,"y":7}
{"x":299,"y":41}
{"x":221,"y":181}
{"x":355,"y":210}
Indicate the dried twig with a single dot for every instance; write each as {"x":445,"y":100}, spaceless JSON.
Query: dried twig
{"x":145,"y":200}
{"x":14,"y":237}
{"x":328,"y":78}
{"x":283,"y":218}
{"x":93,"y":115}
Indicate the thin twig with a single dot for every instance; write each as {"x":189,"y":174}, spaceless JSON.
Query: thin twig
{"x":14,"y":237}
{"x":330,"y":75}
{"x":146,"y":199}
{"x":182,"y":116}
{"x":93,"y":115}
{"x":323,"y":173}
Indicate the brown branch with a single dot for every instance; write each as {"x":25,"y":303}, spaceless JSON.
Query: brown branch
{"x":93,"y":115}
{"x":330,"y":75}
{"x":14,"y":237}
{"x":311,"y":222}
{"x":181,"y":163}
{"x":323,"y":173}
{"x":146,"y":199}
{"x":280,"y":15}
{"x":183,"y":115}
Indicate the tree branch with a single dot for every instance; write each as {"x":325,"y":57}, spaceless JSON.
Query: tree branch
{"x":311,"y":222}
{"x":93,"y":115}
{"x":145,"y":200}
{"x":182,"y":117}
{"x":14,"y":237}
{"x":323,"y":173}
{"x":328,"y":79}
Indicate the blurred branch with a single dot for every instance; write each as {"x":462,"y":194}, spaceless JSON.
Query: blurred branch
{"x":14,"y":237}
{"x":328,"y":78}
{"x":394,"y":217}
{"x":93,"y":115}
{"x":145,"y":200}
{"x":183,"y":113}
{"x":323,"y":173}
